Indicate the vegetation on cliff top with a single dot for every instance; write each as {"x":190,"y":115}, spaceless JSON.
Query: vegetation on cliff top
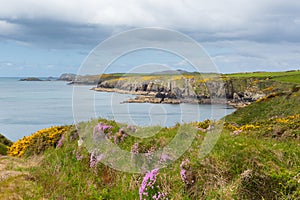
{"x":288,"y":76}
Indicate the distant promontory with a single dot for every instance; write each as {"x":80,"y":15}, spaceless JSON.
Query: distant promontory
{"x":67,"y":77}
{"x":31,"y":79}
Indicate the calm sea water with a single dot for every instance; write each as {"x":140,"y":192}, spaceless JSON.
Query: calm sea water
{"x":26,"y":107}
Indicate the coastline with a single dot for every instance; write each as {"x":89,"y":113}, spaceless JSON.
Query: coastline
{"x":151,"y":97}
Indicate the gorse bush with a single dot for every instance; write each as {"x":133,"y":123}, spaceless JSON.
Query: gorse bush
{"x":275,"y":127}
{"x":38,"y":141}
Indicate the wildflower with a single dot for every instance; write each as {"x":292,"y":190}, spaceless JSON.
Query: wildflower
{"x":148,"y":181}
{"x":38,"y":141}
{"x":164,"y":157}
{"x":95,"y":159}
{"x":101,"y":128}
{"x":78,"y":156}
{"x":150,"y":153}
{"x":186,"y":173}
{"x":135,"y":148}
{"x":120,"y":136}
{"x":131,"y":128}
{"x":60,"y":142}
{"x":116,"y":140}
{"x":134,"y":152}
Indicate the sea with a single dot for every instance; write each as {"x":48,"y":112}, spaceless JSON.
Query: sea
{"x":28,"y":106}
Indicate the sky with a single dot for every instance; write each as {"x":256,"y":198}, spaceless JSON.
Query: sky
{"x":51,"y":37}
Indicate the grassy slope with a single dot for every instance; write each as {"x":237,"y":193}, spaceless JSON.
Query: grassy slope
{"x":281,"y":106}
{"x":255,"y":164}
{"x":16,"y":182}
{"x":4,"y":144}
{"x":289,"y":76}
{"x":245,"y":166}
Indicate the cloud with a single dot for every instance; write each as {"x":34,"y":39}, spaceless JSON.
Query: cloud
{"x":7,"y":28}
{"x":240,"y":35}
{"x":87,"y":22}
{"x":254,"y":56}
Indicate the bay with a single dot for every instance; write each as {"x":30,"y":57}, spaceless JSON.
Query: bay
{"x":27,"y":106}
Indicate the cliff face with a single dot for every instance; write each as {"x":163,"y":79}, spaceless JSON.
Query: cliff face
{"x":192,"y":90}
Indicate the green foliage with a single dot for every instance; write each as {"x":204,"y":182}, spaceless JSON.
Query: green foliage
{"x":280,"y":106}
{"x":3,"y":149}
{"x":5,"y":141}
{"x":265,"y":74}
{"x":289,"y":78}
{"x":4,"y":144}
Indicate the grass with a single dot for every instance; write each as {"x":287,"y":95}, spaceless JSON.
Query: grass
{"x":245,"y":163}
{"x":288,"y":76}
{"x":292,"y":76}
{"x":248,"y":165}
{"x":15,"y":178}
{"x":265,"y":74}
{"x":282,"y":105}
{"x":4,"y":144}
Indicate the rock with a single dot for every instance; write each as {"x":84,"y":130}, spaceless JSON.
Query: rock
{"x":236,"y":97}
{"x":51,"y":78}
{"x":30,"y":79}
{"x":67,"y":77}
{"x":235,"y":92}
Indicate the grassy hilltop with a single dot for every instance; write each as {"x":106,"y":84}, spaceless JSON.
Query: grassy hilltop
{"x":257,"y":156}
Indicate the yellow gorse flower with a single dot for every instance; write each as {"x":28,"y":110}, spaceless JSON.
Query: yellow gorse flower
{"x":47,"y":137}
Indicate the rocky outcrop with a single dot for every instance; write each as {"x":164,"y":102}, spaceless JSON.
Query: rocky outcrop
{"x":236,"y":92}
{"x":67,"y":77}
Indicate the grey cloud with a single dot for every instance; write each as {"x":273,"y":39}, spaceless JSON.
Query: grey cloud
{"x":57,"y":34}
{"x":254,"y":56}
{"x":81,"y":23}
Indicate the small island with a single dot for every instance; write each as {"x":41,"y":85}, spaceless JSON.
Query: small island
{"x":31,"y":79}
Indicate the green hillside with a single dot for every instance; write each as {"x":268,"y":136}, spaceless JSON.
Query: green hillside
{"x":256,"y":156}
{"x":288,"y":76}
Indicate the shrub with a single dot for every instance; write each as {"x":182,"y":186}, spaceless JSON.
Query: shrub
{"x":38,"y":141}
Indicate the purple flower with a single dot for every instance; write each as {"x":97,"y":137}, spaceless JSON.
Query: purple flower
{"x":131,"y":128}
{"x":78,"y":156}
{"x":185,"y":169}
{"x":183,"y":174}
{"x":123,"y":137}
{"x":148,"y":181}
{"x":102,"y":127}
{"x":164,"y":158}
{"x":135,"y":148}
{"x":60,"y":142}
{"x":95,"y":159}
{"x":116,"y":139}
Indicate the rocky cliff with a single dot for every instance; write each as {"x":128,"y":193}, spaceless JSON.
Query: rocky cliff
{"x":235,"y":91}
